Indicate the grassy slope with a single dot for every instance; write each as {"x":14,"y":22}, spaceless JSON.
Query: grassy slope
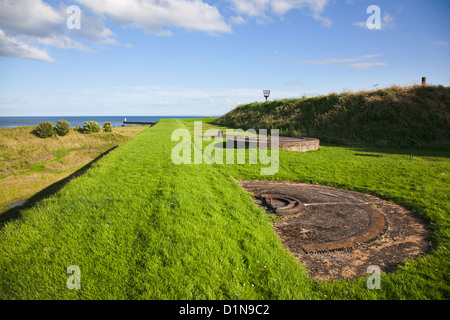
{"x":36,"y":169}
{"x":140,"y":227}
{"x":18,"y":142}
{"x":368,"y":118}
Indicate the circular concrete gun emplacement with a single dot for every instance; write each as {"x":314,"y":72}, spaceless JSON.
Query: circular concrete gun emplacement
{"x":337,"y":233}
{"x":301,"y":144}
{"x":285,"y":143}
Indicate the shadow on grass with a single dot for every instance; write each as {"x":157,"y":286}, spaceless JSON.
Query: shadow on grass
{"x":368,"y":155}
{"x":15,"y":213}
{"x":402,"y":150}
{"x":363,"y":151}
{"x":224,"y":145}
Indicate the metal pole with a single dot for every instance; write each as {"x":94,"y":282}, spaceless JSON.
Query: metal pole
{"x":412,"y":146}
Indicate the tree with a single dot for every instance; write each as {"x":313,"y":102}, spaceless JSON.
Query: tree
{"x":62,"y":127}
{"x":44,"y":130}
{"x":107,"y":127}
{"x":91,"y":126}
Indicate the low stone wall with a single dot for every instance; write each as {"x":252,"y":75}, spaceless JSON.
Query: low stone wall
{"x":285,"y":143}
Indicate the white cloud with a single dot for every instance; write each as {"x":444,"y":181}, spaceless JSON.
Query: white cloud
{"x":26,"y":23}
{"x":170,"y":100}
{"x":261,"y":8}
{"x":142,"y":100}
{"x":293,"y":83}
{"x":366,"y":65}
{"x":11,"y":47}
{"x":29,"y":17}
{"x":387,"y":22}
{"x":360,"y":24}
{"x":93,"y":29}
{"x":388,"y":18}
{"x":338,"y":60}
{"x":358,"y":62}
{"x":156,"y":16}
{"x":237,"y":20}
{"x":442,"y":43}
{"x":33,"y":23}
{"x":251,"y":7}
{"x":61,"y":41}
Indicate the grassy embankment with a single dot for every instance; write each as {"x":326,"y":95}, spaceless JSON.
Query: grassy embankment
{"x":29,"y":164}
{"x":140,"y":227}
{"x":382,"y":118}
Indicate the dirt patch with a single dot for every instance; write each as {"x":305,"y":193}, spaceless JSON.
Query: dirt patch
{"x":339,"y":233}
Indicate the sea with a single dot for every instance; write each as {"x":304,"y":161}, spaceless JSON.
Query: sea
{"x":116,"y":121}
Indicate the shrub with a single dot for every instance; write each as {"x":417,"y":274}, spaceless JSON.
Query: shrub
{"x":62,"y":128}
{"x":91,"y":126}
{"x":107,"y":127}
{"x":78,"y":128}
{"x":44,"y":130}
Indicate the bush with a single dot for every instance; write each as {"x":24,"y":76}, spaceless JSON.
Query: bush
{"x":44,"y":130}
{"x":62,"y":128}
{"x":91,"y":126}
{"x":107,"y":127}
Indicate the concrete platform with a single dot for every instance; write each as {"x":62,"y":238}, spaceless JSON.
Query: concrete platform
{"x":338,"y":234}
{"x":285,"y":143}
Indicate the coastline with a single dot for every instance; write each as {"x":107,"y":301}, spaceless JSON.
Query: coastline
{"x":116,"y":121}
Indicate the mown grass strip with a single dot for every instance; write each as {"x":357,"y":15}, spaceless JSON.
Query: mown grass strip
{"x":140,"y":227}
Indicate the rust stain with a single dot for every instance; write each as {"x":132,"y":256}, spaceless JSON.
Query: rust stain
{"x":375,"y":229}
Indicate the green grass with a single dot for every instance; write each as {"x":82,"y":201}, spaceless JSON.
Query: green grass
{"x":140,"y":227}
{"x":29,"y":164}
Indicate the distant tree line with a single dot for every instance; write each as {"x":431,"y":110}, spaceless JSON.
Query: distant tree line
{"x":63,"y":127}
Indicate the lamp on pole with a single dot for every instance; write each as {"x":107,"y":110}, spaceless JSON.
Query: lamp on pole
{"x":266,"y":94}
{"x":424,"y":81}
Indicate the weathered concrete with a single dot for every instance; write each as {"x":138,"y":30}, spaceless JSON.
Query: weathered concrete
{"x":339,"y":233}
{"x":285,"y":143}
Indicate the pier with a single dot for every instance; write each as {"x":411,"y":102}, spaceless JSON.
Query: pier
{"x":139,"y":123}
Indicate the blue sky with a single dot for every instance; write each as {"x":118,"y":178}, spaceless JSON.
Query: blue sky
{"x":204,"y":57}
